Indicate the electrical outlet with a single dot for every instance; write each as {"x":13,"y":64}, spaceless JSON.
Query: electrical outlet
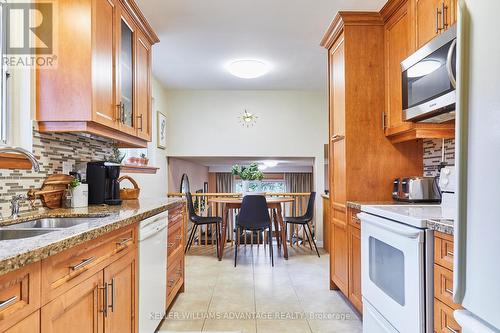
{"x":67,"y":167}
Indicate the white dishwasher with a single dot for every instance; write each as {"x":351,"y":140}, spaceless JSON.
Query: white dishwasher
{"x":152,"y":272}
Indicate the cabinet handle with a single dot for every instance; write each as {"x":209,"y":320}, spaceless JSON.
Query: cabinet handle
{"x":170,"y":245}
{"x":449,"y":291}
{"x":112,"y":284}
{"x":8,"y":302}
{"x":438,"y":13}
{"x":123,"y":112}
{"x":82,"y":264}
{"x":119,"y":107}
{"x":451,"y":329}
{"x":140,"y":117}
{"x":104,"y":288}
{"x":383,"y":121}
{"x":171,"y":283}
{"x":450,"y":253}
{"x":443,"y":11}
{"x":337,"y":137}
{"x":124,"y":241}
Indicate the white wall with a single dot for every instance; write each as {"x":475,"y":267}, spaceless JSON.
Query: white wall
{"x":197,"y":174}
{"x":155,"y":185}
{"x":289,"y":124}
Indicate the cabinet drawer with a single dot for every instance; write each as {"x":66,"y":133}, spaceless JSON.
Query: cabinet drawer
{"x":19,"y":294}
{"x":443,"y":250}
{"x":174,"y":241}
{"x":175,"y":273}
{"x":353,"y":218}
{"x":443,"y":286}
{"x":66,"y":269}
{"x":444,"y":322}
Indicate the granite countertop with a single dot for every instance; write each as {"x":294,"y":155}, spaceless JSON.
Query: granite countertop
{"x":17,"y":253}
{"x":445,"y":226}
{"x":357,"y":204}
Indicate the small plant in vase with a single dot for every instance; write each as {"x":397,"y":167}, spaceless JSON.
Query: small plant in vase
{"x":144,"y":160}
{"x":248,"y":175}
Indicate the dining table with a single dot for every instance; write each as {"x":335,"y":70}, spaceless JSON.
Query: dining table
{"x":273,"y":203}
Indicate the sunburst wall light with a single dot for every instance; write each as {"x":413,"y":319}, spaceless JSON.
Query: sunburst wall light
{"x":247,"y":119}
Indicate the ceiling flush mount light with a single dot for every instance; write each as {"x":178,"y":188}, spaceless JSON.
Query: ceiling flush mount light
{"x":271,"y":164}
{"x":262,"y":167}
{"x":247,"y":119}
{"x":424,"y":68}
{"x":248,"y":68}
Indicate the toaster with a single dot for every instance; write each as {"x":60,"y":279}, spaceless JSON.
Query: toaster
{"x":416,"y":189}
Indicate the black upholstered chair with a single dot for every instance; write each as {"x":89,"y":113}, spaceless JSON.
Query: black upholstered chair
{"x":253,"y":216}
{"x":304,"y":220}
{"x":201,"y":220}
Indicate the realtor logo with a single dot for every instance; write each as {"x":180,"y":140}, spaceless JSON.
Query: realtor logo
{"x":29,"y":33}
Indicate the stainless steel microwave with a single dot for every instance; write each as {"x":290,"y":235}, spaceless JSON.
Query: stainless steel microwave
{"x":429,"y":80}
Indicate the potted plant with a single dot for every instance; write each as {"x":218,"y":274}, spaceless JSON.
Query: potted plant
{"x":144,"y":160}
{"x":116,"y":157}
{"x":248,"y":174}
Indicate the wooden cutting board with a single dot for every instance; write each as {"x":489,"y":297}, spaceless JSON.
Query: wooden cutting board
{"x":53,"y":189}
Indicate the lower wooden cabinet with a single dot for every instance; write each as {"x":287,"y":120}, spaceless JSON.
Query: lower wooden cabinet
{"x":30,"y":324}
{"x":105,"y":302}
{"x":355,"y":268}
{"x":339,"y":267}
{"x":19,"y":295}
{"x":345,"y":258}
{"x":444,"y":322}
{"x":175,"y":252}
{"x":81,"y":309}
{"x":122,"y":294}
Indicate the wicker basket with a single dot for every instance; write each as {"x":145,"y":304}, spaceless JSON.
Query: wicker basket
{"x":129,"y":193}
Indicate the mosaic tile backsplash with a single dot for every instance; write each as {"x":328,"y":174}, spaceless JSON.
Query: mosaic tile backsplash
{"x":51,"y":150}
{"x":433,"y":155}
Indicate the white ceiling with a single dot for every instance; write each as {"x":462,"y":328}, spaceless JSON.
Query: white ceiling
{"x":198,"y":37}
{"x":223,"y":164}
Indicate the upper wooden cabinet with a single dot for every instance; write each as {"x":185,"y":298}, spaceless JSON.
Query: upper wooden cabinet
{"x":357,"y":139}
{"x":402,"y":32}
{"x":102,"y":82}
{"x":433,"y":17}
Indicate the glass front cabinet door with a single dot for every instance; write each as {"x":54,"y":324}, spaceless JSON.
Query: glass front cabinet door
{"x":126,"y":74}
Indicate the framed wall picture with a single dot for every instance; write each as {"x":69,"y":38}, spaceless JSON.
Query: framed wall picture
{"x":161,"y":130}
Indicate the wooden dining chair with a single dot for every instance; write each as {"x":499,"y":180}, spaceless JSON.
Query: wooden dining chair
{"x":253,"y":216}
{"x":304,"y":220}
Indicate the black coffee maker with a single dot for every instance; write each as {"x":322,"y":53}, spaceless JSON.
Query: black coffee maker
{"x":104,"y":187}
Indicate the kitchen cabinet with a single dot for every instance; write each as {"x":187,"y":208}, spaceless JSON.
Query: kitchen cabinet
{"x":20,"y":296}
{"x":101,"y":82}
{"x":122,"y":289}
{"x":354,"y":249}
{"x":143,"y":85}
{"x":30,"y":324}
{"x":175,"y":252}
{"x":444,"y":321}
{"x":99,"y":294}
{"x":433,"y":17}
{"x":399,"y":41}
{"x":355,"y":44}
{"x":80,"y":309}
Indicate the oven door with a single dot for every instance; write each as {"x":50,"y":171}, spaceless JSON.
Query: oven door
{"x":393,"y":273}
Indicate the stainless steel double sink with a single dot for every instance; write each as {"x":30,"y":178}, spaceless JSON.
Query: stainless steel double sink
{"x":42,"y":226}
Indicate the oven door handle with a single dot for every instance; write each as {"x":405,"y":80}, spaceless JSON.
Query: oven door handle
{"x":366,"y":218}
{"x":449,"y":66}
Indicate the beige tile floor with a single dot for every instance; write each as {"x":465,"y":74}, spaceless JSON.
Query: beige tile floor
{"x":292,"y":296}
